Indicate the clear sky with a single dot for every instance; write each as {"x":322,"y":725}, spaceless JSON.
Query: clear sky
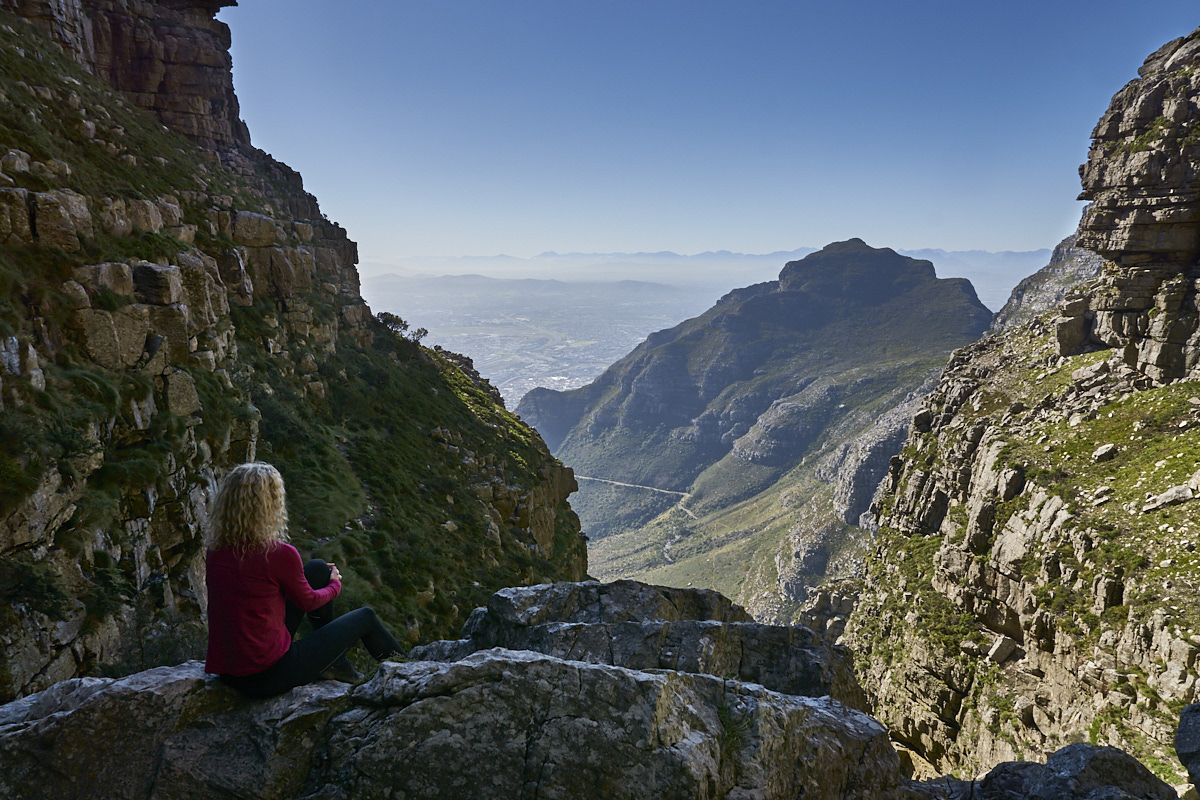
{"x":479,"y":127}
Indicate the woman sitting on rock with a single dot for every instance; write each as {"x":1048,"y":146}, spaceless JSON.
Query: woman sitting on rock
{"x":258,"y":592}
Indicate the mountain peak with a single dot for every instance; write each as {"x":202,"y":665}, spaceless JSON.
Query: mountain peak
{"x":854,"y":267}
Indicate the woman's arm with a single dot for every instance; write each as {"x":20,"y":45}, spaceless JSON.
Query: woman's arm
{"x":287,"y":569}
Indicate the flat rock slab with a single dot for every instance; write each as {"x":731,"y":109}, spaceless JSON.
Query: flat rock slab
{"x":595,"y":602}
{"x":791,"y":660}
{"x":504,"y":724}
{"x":498,"y":724}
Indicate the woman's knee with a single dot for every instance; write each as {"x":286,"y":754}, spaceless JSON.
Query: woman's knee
{"x":317,"y":572}
{"x":366,"y":614}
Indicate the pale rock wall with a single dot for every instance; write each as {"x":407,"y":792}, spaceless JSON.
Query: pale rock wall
{"x":1144,"y":217}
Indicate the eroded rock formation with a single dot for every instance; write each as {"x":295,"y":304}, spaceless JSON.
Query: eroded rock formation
{"x":495,"y":723}
{"x":1144,"y":218}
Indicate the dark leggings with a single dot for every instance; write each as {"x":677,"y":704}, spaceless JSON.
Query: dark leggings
{"x":307,"y":658}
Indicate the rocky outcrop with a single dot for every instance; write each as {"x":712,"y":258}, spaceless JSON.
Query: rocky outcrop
{"x":502,"y":723}
{"x":1144,"y":218}
{"x":1033,"y":578}
{"x":493,"y":723}
{"x":636,"y":626}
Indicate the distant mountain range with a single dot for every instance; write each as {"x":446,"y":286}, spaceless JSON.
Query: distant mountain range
{"x":737,"y":449}
{"x":992,"y":274}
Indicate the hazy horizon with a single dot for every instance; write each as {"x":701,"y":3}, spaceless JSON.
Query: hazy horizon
{"x":993,"y":274}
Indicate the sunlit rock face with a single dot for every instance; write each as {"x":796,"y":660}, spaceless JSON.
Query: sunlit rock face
{"x":1141,"y":177}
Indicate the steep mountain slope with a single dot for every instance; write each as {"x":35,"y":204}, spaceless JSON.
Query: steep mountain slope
{"x":706,"y":448}
{"x":171,"y":305}
{"x":1044,"y":290}
{"x":1035,"y":580}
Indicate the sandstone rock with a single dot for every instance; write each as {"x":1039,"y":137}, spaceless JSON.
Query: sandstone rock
{"x":172,"y":215}
{"x":15,"y":227}
{"x":144,"y":216}
{"x":76,"y":207}
{"x":15,"y":161}
{"x":1187,"y":741}
{"x":74,"y":296}
{"x":1071,"y":334}
{"x":1076,"y":772}
{"x":1084,"y":771}
{"x":253,"y":230}
{"x":1171,"y":497}
{"x":499,"y":724}
{"x":112,"y":275}
{"x":99,"y":337}
{"x":1001,"y":649}
{"x":182,"y":398}
{"x":156,"y":285}
{"x":1105,"y":452}
{"x":236,"y":278}
{"x":114,"y":217}
{"x":52,"y":222}
{"x":637,"y":626}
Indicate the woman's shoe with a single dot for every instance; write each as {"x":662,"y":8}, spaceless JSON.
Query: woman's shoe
{"x":341,"y":670}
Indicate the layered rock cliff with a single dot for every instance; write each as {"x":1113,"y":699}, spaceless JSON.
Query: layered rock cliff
{"x":173,"y":305}
{"x":169,"y":57}
{"x":1035,"y":575}
{"x":739,"y":449}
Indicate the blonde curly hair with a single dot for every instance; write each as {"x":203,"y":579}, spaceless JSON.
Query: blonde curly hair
{"x":250,"y":509}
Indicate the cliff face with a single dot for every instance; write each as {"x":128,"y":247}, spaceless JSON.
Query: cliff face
{"x":1035,"y":575}
{"x":168,"y":311}
{"x":759,"y":430}
{"x":169,"y":57}
{"x":1145,"y":218}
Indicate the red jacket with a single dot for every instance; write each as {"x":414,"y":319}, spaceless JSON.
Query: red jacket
{"x":246,"y":606}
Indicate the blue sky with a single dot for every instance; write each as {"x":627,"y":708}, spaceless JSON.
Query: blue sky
{"x":479,"y":127}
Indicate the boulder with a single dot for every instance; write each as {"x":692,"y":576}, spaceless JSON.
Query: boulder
{"x":156,"y":285}
{"x":1187,"y":741}
{"x":76,"y":207}
{"x":53,"y":222}
{"x":644,"y":627}
{"x":498,"y":724}
{"x":1076,"y":772}
{"x":111,"y":275}
{"x":14,"y":218}
{"x":144,"y":216}
{"x":15,"y":161}
{"x":253,"y":230}
{"x":182,"y":398}
{"x":113,"y":217}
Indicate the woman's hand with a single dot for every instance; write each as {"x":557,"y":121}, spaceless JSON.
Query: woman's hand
{"x":334,"y":575}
